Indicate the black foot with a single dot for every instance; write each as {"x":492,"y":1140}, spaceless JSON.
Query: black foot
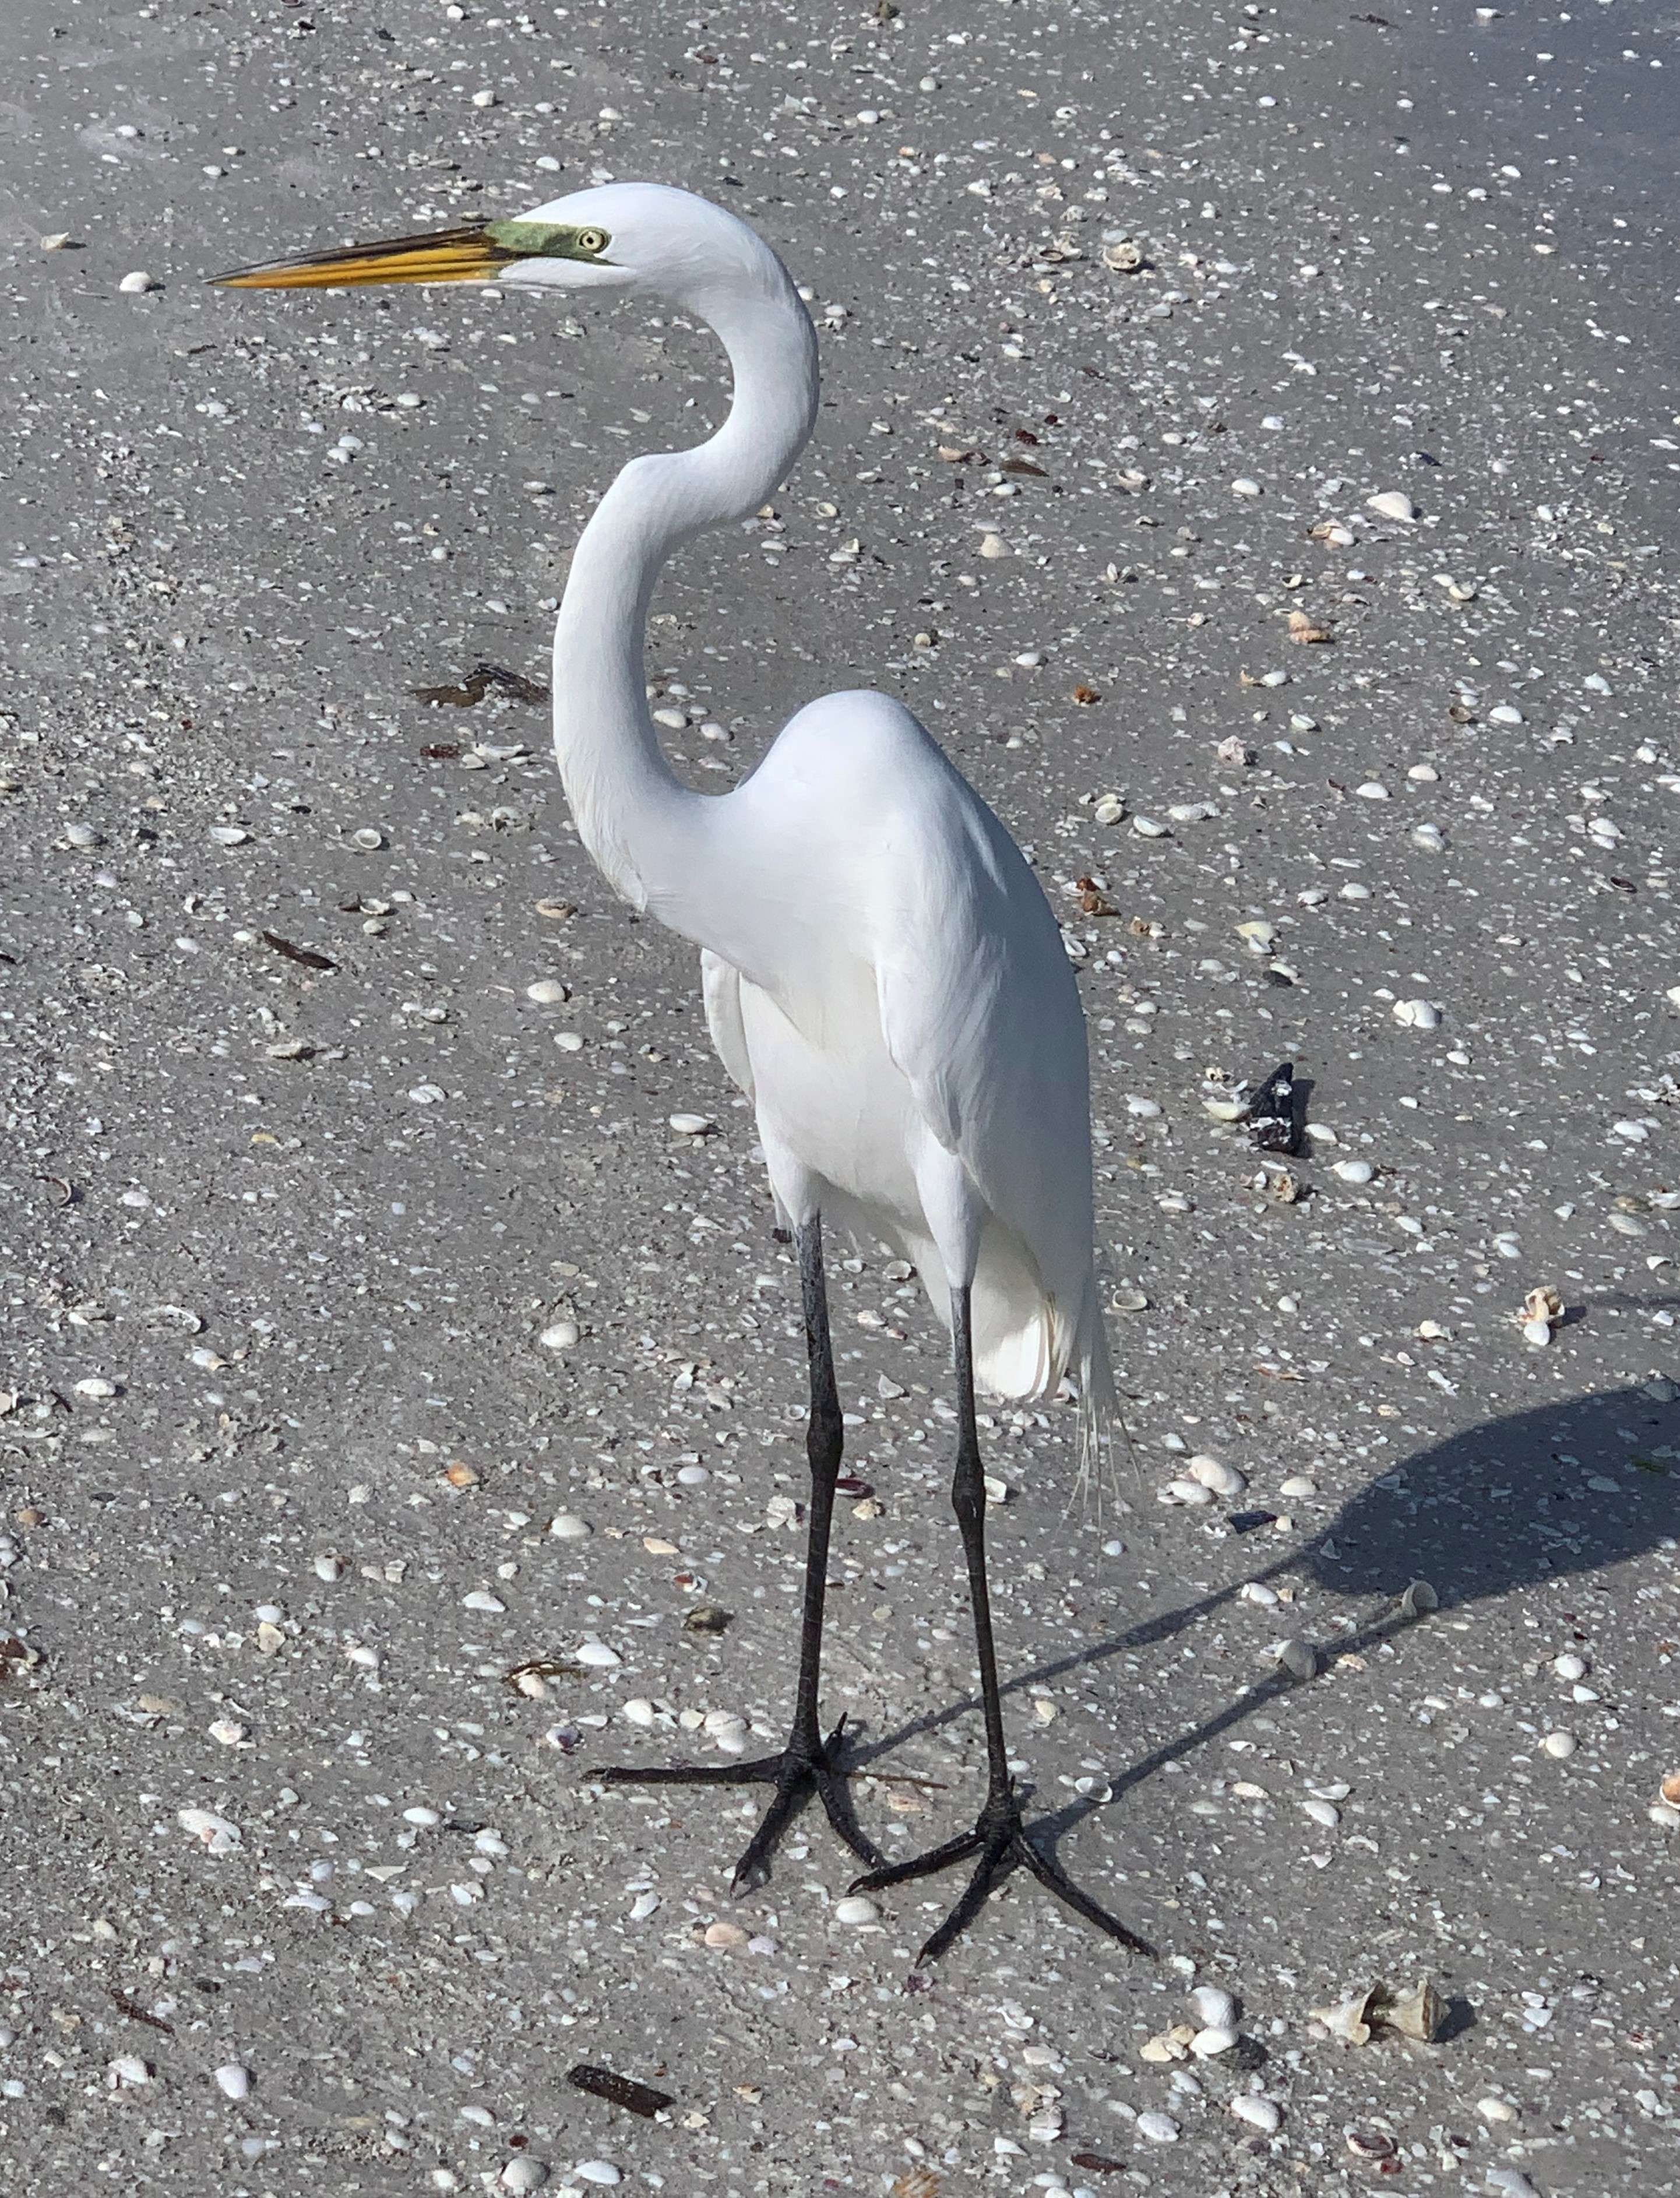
{"x":798,"y":1768}
{"x":1000,"y":1840}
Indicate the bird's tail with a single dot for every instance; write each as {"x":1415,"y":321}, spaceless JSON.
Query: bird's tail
{"x":1100,"y":1422}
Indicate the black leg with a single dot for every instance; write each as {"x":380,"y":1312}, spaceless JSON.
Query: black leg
{"x":999,"y":1838}
{"x":808,"y":1761}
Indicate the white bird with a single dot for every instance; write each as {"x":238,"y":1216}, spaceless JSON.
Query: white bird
{"x":883,"y":976}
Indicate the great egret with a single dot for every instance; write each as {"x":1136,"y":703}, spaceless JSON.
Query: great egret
{"x":882,"y":974}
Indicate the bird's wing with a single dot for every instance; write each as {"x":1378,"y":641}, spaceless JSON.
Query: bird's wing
{"x":720,"y":987}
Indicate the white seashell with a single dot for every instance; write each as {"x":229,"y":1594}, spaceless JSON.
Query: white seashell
{"x":359,"y":1653}
{"x":690,"y":1126}
{"x":421,"y":1816}
{"x":96,"y":1385}
{"x":1188,"y":1492}
{"x":599,"y":1657}
{"x":328,"y":1568}
{"x":1664,"y":1816}
{"x":1218,"y":2038}
{"x":1146,"y":828}
{"x":523,"y":2173}
{"x":1537,"y":1332}
{"x":1417,"y":1014}
{"x":1419,"y":1599}
{"x":1258,"y":934}
{"x":1505,"y":713}
{"x":639,"y":1711}
{"x":643,"y":1907}
{"x":1146,"y":1110}
{"x":1257,"y":1591}
{"x":368,"y":838}
{"x":598,"y":2171}
{"x":1392,"y":504}
{"x":1110,"y":810}
{"x":1215,"y":2005}
{"x":1561,"y":1745}
{"x":482,"y":1599}
{"x":1494,"y":2109}
{"x":854,"y":1909}
{"x":136,"y":284}
{"x":569,"y":1041}
{"x":1244,"y":487}
{"x":547,"y":992}
{"x":559,"y":1335}
{"x":229,"y":835}
{"x":1298,"y":1484}
{"x":232,"y":2081}
{"x":1323,"y":1813}
{"x":1372,"y":789}
{"x":1222,"y":1479}
{"x":566,"y":1526}
{"x":1570,"y":1667}
{"x":1259,"y":2114}
{"x":993,"y":545}
{"x":229,"y":1731}
{"x":1353,"y":1170}
{"x":127,"y":2070}
{"x":1159,"y":2128}
{"x":218,"y":1833}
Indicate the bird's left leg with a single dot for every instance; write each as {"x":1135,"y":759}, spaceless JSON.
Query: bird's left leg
{"x":999,"y":1837}
{"x":808,"y":1761}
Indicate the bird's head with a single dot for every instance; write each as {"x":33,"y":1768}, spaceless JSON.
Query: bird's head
{"x":623,"y":237}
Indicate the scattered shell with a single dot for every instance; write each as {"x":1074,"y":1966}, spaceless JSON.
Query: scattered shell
{"x":1217,"y":2038}
{"x":1560,"y":1745}
{"x":232,"y":2081}
{"x":1244,"y":487}
{"x":136,"y":284}
{"x":1419,"y":1599}
{"x":1346,"y":2019}
{"x":566,"y":1526}
{"x":1670,"y":1789}
{"x":1146,"y":827}
{"x":1110,"y":808}
{"x":328,"y":1568}
{"x":1323,"y":1813}
{"x":96,"y":1385}
{"x":482,"y":1599}
{"x":1297,"y":1658}
{"x":598,"y":2171}
{"x":1495,"y":2109}
{"x":994,"y":545}
{"x":599,"y":1657}
{"x":1188,"y":1492}
{"x":1222,"y":1479}
{"x":1570,"y":1667}
{"x":1417,"y":1014}
{"x":1159,"y":2128}
{"x":559,"y":1335}
{"x":523,"y":2173}
{"x":218,"y":1833}
{"x":1264,"y":2114}
{"x":855,"y":1909}
{"x":690,"y":1126}
{"x":1298,"y":1484}
{"x":725,"y":1936}
{"x":638,"y":1710}
{"x":1215,"y":2005}
{"x":1353,"y":1170}
{"x":368,"y":838}
{"x":1392,"y":504}
{"x":548,"y":992}
{"x":127,"y":2070}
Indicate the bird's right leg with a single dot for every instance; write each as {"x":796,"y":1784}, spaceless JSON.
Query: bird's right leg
{"x":808,"y":1761}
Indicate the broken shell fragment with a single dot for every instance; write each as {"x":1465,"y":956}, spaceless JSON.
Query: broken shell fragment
{"x":1392,"y":504}
{"x":1416,"y":1014}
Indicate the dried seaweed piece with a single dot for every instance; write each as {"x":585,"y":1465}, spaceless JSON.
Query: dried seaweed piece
{"x":478,"y":684}
{"x":1097,"y":2163}
{"x":306,"y":957}
{"x":619,"y":2091}
{"x":136,"y":2013}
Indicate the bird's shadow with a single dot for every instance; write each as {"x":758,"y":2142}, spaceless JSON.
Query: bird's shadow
{"x":1565,"y":1488}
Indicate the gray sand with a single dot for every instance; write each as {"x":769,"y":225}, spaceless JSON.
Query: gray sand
{"x":308,"y":1223}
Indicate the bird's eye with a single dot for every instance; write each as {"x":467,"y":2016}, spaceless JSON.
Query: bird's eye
{"x":591,"y":240}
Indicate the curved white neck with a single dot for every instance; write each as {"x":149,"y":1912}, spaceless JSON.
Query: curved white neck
{"x":634,"y":817}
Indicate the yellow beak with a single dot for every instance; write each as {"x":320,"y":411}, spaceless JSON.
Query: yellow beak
{"x":467,"y":254}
